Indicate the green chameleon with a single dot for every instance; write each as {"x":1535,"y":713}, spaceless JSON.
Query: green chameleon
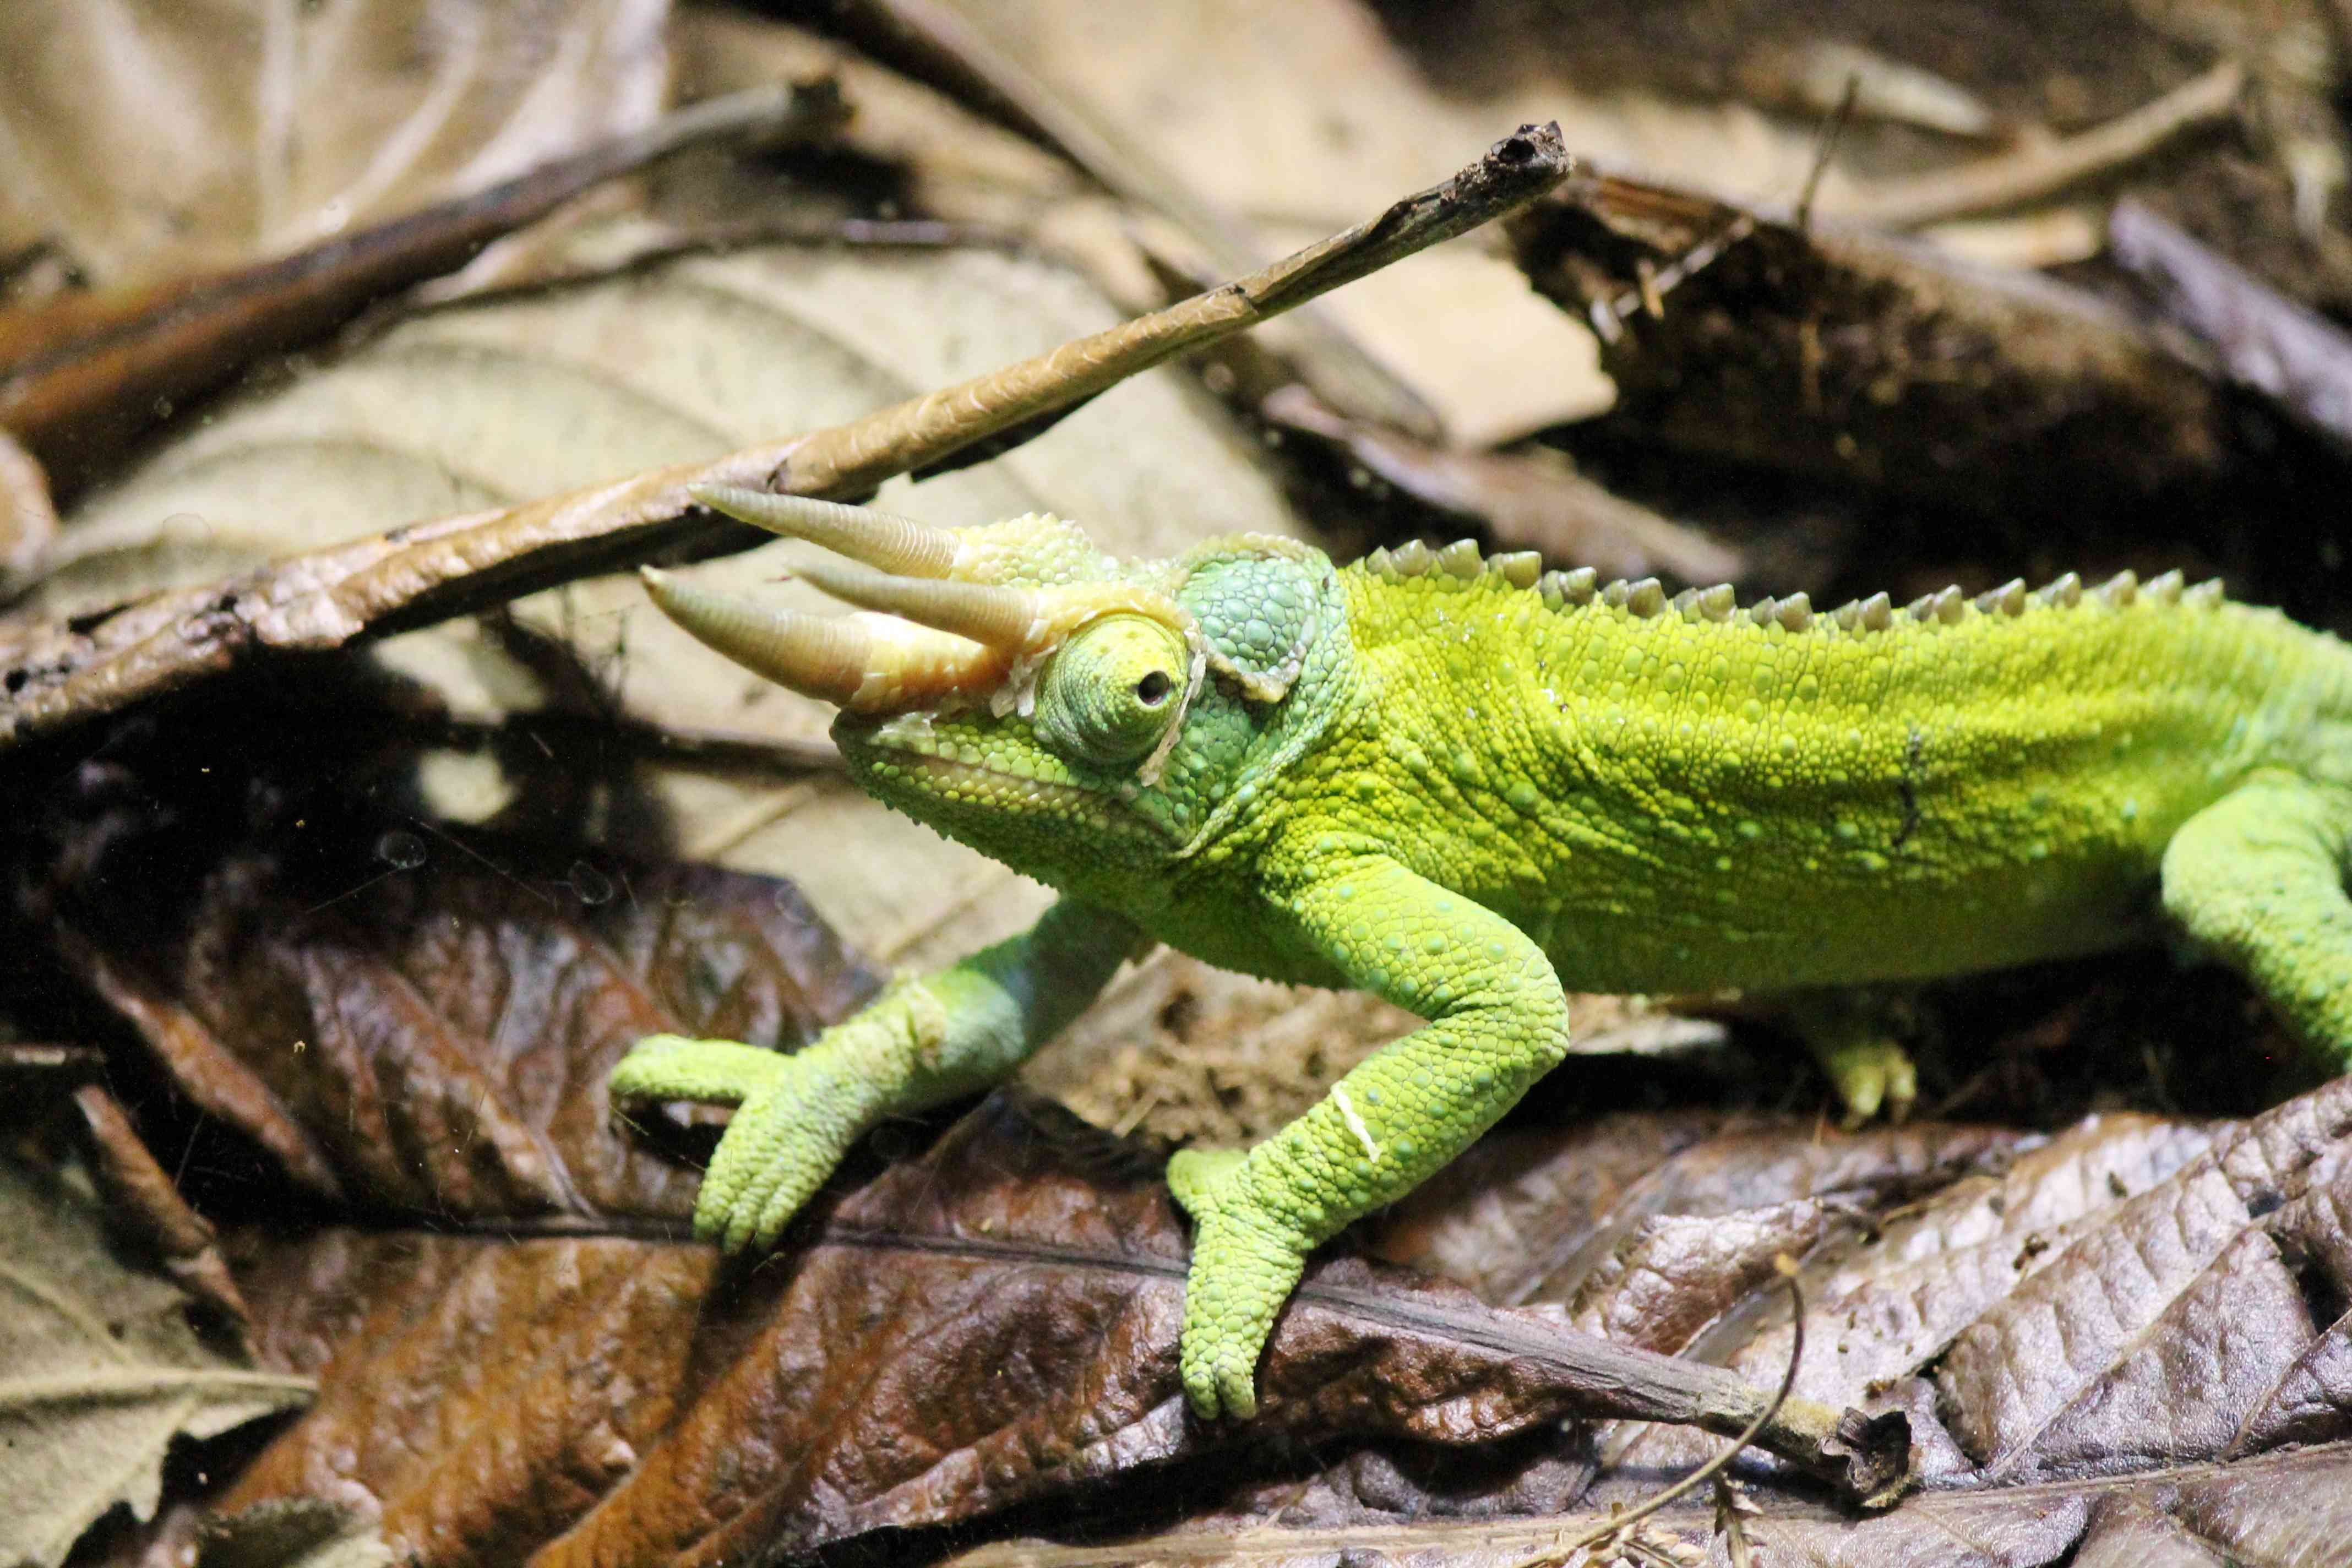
{"x":1456,"y":783}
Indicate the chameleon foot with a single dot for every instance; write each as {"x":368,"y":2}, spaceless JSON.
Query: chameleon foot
{"x":793,"y":1122}
{"x":1855,"y":1033}
{"x":1870,"y":1076}
{"x":1243,"y":1268}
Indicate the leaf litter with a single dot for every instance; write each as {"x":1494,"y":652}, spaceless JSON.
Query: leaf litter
{"x":1915,"y":1243}
{"x":654,"y":1405}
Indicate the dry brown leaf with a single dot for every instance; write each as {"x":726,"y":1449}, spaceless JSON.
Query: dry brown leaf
{"x":28,"y":517}
{"x":431,"y":1033}
{"x":992,"y":1323}
{"x":2284,"y":1509}
{"x":2135,"y":1295}
{"x":303,"y":1533}
{"x":154,"y":141}
{"x":1528,"y":1216}
{"x":145,"y":1208}
{"x":1250,"y":125}
{"x":83,"y":374}
{"x":957,"y":165}
{"x":805,"y":1402}
{"x":2291,"y":354}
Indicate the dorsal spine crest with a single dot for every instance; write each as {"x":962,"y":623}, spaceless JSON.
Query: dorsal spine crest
{"x":1460,"y":565}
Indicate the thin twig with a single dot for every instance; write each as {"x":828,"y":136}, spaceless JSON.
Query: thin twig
{"x":2042,"y":169}
{"x":960,"y":39}
{"x":1833,"y":132}
{"x":1714,"y":1467}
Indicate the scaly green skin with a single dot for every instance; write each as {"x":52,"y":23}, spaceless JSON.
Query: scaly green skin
{"x":1442,"y":781}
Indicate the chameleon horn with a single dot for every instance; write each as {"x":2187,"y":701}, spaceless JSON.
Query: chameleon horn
{"x":999,"y":618}
{"x":898,"y":544}
{"x":826,"y":659}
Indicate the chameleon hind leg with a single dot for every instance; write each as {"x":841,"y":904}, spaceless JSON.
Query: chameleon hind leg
{"x":1856,"y":1033}
{"x":2258,"y":879}
{"x":923,"y":1042}
{"x":1497,"y":1021}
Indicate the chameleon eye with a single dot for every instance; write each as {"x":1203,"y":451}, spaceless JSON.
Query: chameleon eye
{"x":1106,"y":696}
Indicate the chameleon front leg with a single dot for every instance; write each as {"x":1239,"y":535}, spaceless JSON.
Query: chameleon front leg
{"x":2258,"y":878}
{"x":923,"y":1042}
{"x":1497,"y":1021}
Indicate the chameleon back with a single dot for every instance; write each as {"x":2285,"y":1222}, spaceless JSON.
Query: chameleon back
{"x":1678,"y":796}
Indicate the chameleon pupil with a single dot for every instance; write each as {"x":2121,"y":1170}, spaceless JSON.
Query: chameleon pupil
{"x":1154,"y":688}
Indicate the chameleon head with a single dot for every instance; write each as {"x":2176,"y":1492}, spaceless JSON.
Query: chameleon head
{"x":1019,"y":689}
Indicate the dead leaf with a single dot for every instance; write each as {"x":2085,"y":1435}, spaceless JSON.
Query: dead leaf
{"x":961,"y":167}
{"x":2288,"y":352}
{"x":432,"y":1032}
{"x":2135,"y":1295}
{"x":28,"y":517}
{"x":301,"y":1532}
{"x":1529,"y":1216}
{"x":1192,"y":1054}
{"x":146,"y":1209}
{"x":2285,"y":1509}
{"x":83,"y":376}
{"x":992,"y":1323}
{"x":154,"y":142}
{"x":2202,"y":1320}
{"x":1278,"y":120}
{"x":99,"y":1370}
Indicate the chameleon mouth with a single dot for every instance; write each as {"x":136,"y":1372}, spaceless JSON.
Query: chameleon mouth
{"x":953,"y":777}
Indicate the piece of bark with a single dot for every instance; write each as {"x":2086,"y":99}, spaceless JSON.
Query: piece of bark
{"x":1870,"y":362}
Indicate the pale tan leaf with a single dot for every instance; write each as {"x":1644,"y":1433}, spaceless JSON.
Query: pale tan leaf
{"x":1288,"y":115}
{"x":99,"y":1370}
{"x":150,"y":141}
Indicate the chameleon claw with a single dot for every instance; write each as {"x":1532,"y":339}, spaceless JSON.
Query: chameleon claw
{"x":1245,"y":1262}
